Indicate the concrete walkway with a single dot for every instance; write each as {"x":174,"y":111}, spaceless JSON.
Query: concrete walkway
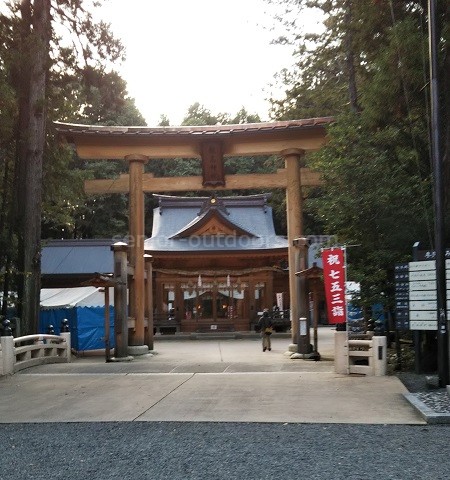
{"x":218,"y":380}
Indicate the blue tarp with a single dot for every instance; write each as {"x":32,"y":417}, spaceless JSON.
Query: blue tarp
{"x":87,"y":325}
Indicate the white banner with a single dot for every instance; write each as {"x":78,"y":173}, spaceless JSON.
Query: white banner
{"x":280,"y":300}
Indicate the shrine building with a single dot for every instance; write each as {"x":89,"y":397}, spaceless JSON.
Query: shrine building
{"x":217,"y":261}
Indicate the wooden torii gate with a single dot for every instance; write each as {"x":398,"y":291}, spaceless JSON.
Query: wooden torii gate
{"x":137,"y":145}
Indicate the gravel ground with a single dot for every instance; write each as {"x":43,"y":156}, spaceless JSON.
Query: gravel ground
{"x":438,"y":401}
{"x":223,"y":451}
{"x":423,"y":387}
{"x":417,"y":382}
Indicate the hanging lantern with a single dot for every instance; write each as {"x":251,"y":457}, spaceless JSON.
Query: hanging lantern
{"x":199,"y":281}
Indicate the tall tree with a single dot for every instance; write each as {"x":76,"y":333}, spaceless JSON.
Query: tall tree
{"x":8,"y":114}
{"x":102,"y":100}
{"x":368,"y":68}
{"x":35,"y":40}
{"x":41,"y":78}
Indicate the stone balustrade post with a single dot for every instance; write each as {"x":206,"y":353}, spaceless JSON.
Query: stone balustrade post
{"x":66,"y":336}
{"x":8,"y":355}
{"x":120,"y":300}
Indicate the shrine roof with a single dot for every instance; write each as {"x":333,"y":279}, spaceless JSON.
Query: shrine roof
{"x":69,"y":263}
{"x":266,"y":138}
{"x":77,"y":256}
{"x":176,"y":218}
{"x":68,"y":129}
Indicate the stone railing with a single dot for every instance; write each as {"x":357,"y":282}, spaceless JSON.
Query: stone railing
{"x":364,"y":357}
{"x":31,"y":350}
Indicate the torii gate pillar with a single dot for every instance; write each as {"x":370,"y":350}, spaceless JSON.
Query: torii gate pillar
{"x":294,"y":205}
{"x":136,"y":254}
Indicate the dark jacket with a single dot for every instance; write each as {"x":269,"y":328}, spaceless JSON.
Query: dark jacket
{"x":265,"y":321}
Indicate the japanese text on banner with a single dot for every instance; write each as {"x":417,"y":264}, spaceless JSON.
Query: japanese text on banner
{"x":334,"y":283}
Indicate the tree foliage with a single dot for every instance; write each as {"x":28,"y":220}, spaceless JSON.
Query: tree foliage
{"x":55,"y":64}
{"x":199,"y":115}
{"x":369,"y":69}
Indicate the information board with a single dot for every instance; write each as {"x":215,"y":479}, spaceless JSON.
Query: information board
{"x":402,"y":296}
{"x":422,"y":283}
{"x":416,"y":296}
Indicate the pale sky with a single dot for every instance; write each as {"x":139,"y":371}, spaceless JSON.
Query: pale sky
{"x":215,"y":52}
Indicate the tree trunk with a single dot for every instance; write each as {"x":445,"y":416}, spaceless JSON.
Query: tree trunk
{"x":446,"y":115}
{"x":30,"y":158}
{"x":350,"y":58}
{"x":4,"y":248}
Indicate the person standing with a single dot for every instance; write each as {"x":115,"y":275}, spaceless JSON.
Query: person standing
{"x":265,"y":327}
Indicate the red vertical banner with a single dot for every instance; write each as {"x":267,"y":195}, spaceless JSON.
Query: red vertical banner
{"x":334,"y":283}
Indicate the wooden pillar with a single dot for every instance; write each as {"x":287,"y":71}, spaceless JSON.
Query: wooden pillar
{"x":179,"y":302}
{"x":107,"y":323}
{"x":136,"y":251}
{"x":120,"y":300}
{"x":215,"y":296}
{"x":159,"y":296}
{"x":251,"y":301}
{"x":294,"y":207}
{"x":148,"y":338}
{"x":269,"y":291}
{"x":315,"y":299}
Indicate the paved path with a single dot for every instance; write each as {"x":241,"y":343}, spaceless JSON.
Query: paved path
{"x":205,"y":381}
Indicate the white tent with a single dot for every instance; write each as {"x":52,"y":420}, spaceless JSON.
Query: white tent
{"x":71,"y":297}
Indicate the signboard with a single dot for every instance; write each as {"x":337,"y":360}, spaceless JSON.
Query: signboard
{"x":402,"y":296}
{"x":421,"y":266}
{"x":355,"y":319}
{"x":422,"y":286}
{"x":212,"y":164}
{"x":334,"y":281}
{"x":423,"y":325}
{"x":429,"y":254}
{"x":415,"y":292}
{"x":422,"y":314}
{"x":422,"y":295}
{"x":423,"y":305}
{"x":422,"y":275}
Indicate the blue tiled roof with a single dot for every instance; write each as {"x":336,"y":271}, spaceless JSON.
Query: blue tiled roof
{"x":61,"y":257}
{"x":215,"y":243}
{"x":250,"y":213}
